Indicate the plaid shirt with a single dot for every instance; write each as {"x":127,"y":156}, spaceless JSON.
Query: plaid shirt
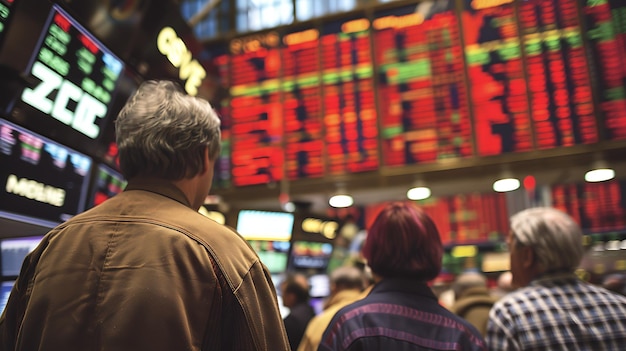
{"x":558,"y":312}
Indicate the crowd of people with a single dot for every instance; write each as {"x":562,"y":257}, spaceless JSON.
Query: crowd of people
{"x":145,"y":271}
{"x":540,"y":304}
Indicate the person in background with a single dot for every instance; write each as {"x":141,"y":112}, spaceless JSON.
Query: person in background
{"x":615,"y":282}
{"x":504,"y":285}
{"x":553,"y":309}
{"x":472,"y":299}
{"x":145,"y":270}
{"x":295,"y":294}
{"x":346,"y":286}
{"x":404,"y":251}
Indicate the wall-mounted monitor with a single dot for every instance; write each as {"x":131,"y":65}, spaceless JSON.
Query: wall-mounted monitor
{"x":273,"y":254}
{"x":310,"y":255}
{"x":5,"y":292}
{"x":13,"y":251}
{"x":265,"y":225}
{"x":320,"y":285}
{"x":74,"y":81}
{"x":41,"y":181}
{"x":107,"y":184}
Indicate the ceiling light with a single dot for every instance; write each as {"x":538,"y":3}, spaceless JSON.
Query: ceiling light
{"x":288,"y":206}
{"x":341,"y":200}
{"x":600,"y":172}
{"x":418,"y":193}
{"x":506,"y":182}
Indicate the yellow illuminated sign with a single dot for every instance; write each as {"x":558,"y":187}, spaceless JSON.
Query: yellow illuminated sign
{"x":485,"y":4}
{"x":354,"y":26}
{"x":464,"y":251}
{"x":170,"y":45}
{"x":327,"y":228}
{"x":413,"y":19}
{"x":301,"y":37}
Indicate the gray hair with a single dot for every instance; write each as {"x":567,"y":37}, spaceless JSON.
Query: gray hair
{"x":163,"y":132}
{"x":468,"y":280}
{"x":348,"y":277}
{"x":555,"y":237}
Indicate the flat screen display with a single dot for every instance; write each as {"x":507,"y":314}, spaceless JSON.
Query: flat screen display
{"x":107,"y":184}
{"x":13,"y":252}
{"x":273,"y":254}
{"x":76,"y":77}
{"x":40,"y":179}
{"x":5,"y":292}
{"x":309,"y":254}
{"x":320,"y":285}
{"x":265,"y":225}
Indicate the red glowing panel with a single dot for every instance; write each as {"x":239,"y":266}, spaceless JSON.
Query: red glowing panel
{"x":302,"y":108}
{"x":256,"y":111}
{"x":350,"y":112}
{"x":496,"y":77}
{"x":558,"y":74}
{"x":220,"y":78}
{"x":421,"y":88}
{"x":606,"y":21}
{"x":597,"y":207}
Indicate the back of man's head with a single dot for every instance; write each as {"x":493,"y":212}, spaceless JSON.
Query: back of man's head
{"x":162,"y":132}
{"x":468,"y":280}
{"x":298,"y":286}
{"x":554,"y":236}
{"x":347,"y":278}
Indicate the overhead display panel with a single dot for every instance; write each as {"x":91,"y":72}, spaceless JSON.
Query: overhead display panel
{"x":219,"y":78}
{"x":597,"y":207}
{"x":256,"y":110}
{"x":605,"y":22}
{"x":350,"y":119}
{"x":304,"y":145}
{"x":496,"y":76}
{"x":464,"y":218}
{"x":421,"y":83}
{"x":558,"y":74}
{"x":421,"y":88}
{"x":76,"y":77}
{"x":42,"y":181}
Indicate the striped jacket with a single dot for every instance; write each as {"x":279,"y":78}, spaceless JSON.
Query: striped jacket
{"x":398,"y":315}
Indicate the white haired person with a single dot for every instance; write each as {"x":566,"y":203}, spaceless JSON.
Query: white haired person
{"x":144,"y":270}
{"x":552,"y":309}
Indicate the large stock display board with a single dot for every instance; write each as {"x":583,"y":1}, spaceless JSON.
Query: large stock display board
{"x":76,"y":77}
{"x":421,"y":90}
{"x":418,"y":83}
{"x":598,"y":207}
{"x":302,"y":107}
{"x":349,"y":108}
{"x":256,"y":110}
{"x":463,"y":218}
{"x":41,"y":179}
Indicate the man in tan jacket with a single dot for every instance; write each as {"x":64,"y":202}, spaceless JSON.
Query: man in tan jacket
{"x":346,"y":286}
{"x":144,"y":270}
